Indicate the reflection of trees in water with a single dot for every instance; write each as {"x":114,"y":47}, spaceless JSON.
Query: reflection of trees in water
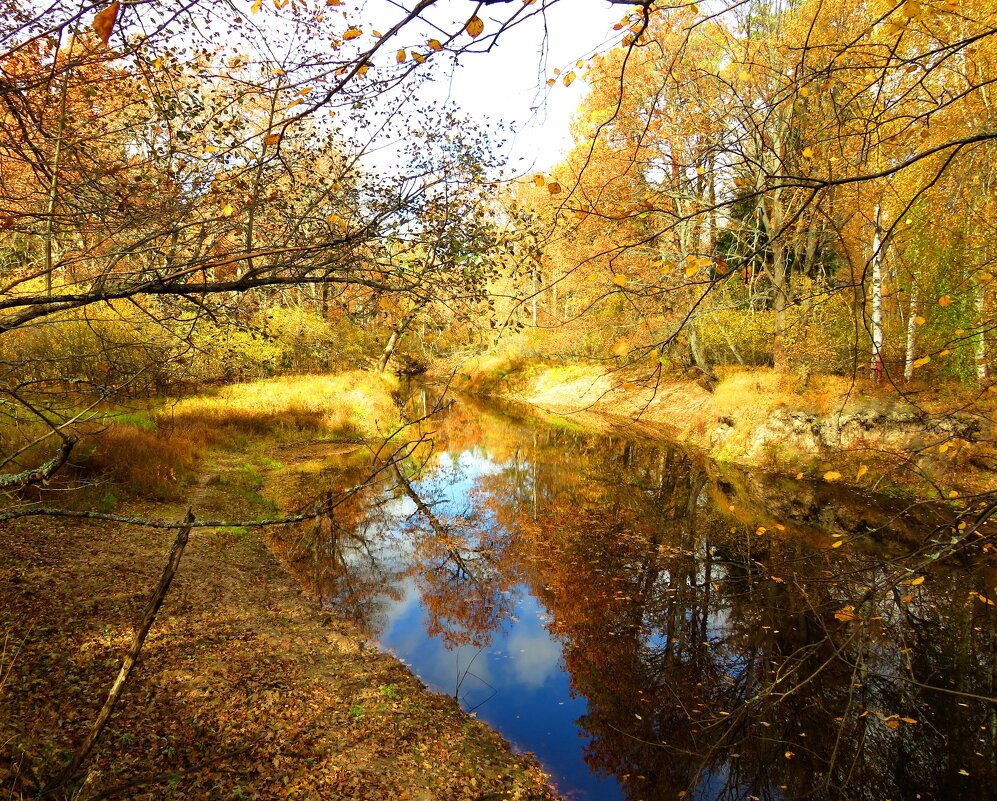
{"x":719,"y":654}
{"x":723,"y":646}
{"x":348,"y":557}
{"x":460,"y":566}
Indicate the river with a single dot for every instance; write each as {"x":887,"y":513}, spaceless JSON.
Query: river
{"x":655,"y":626}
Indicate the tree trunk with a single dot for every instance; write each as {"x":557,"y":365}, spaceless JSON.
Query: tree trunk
{"x":876,"y":365}
{"x":911,"y":352}
{"x":396,"y":335}
{"x":698,"y":357}
{"x":982,"y":374}
{"x":779,"y":306}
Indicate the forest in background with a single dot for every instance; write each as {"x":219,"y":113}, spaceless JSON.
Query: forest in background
{"x":200,"y":194}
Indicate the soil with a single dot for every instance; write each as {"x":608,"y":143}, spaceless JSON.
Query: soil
{"x":758,"y":418}
{"x":245,"y":688}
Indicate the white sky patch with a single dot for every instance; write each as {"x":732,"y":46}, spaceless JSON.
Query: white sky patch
{"x":507,"y":86}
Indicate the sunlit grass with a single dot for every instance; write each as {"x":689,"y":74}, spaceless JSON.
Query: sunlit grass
{"x":155,"y":453}
{"x":356,"y":405}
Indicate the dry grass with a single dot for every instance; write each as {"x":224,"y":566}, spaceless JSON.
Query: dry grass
{"x":156,"y":455}
{"x":357,"y":405}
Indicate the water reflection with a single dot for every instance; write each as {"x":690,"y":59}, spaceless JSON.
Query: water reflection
{"x":655,"y":627}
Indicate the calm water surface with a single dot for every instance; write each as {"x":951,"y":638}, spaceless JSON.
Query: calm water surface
{"x":650,"y":625}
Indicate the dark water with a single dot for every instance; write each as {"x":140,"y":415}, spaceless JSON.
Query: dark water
{"x":652,"y":626}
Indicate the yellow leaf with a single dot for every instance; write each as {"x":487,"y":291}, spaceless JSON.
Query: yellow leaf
{"x":305,"y":90}
{"x":621,"y":348}
{"x":808,"y":153}
{"x":837,"y":543}
{"x":474,"y":27}
{"x":953,"y":494}
{"x":418,"y":58}
{"x":539,"y":180}
{"x":861,"y":472}
{"x":580,"y":63}
{"x":400,"y":56}
{"x":914,"y":582}
{"x":909,"y":721}
{"x":700,"y":171}
{"x":744,"y":76}
{"x":103,"y":23}
{"x":352,"y":33}
{"x":691,"y":270}
{"x":945,"y":300}
{"x":919,"y":320}
{"x":271,"y":139}
{"x":799,"y":476}
{"x":569,"y":78}
{"x":760,"y":530}
{"x":920,"y":362}
{"x":293,"y":103}
{"x":363,"y":69}
{"x":832,"y":475}
{"x":434,"y":44}
{"x":845,"y":614}
{"x":257,"y":6}
{"x":210,"y":149}
{"x":943,"y":447}
{"x":620,"y":280}
{"x":227,"y":210}
{"x":553,"y":187}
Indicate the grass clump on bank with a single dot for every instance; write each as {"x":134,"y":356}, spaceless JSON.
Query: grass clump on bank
{"x":155,"y":455}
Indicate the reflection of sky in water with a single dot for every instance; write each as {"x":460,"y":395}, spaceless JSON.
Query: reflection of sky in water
{"x":517,"y":683}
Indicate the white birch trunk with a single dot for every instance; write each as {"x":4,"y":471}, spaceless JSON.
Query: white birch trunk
{"x":876,"y":366}
{"x":911,"y":352}
{"x":982,"y":374}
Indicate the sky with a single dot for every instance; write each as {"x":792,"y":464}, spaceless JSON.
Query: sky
{"x":508,"y":84}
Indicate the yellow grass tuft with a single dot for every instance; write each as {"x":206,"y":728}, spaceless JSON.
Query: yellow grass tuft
{"x":355,"y":405}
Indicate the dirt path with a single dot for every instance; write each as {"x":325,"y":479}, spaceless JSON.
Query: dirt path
{"x":245,"y":690}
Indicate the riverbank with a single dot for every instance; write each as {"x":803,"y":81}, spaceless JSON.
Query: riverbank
{"x":246,"y":688}
{"x":929,"y":443}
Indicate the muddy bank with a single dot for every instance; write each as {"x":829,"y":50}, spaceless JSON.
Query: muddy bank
{"x":245,"y":689}
{"x":795,"y":425}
